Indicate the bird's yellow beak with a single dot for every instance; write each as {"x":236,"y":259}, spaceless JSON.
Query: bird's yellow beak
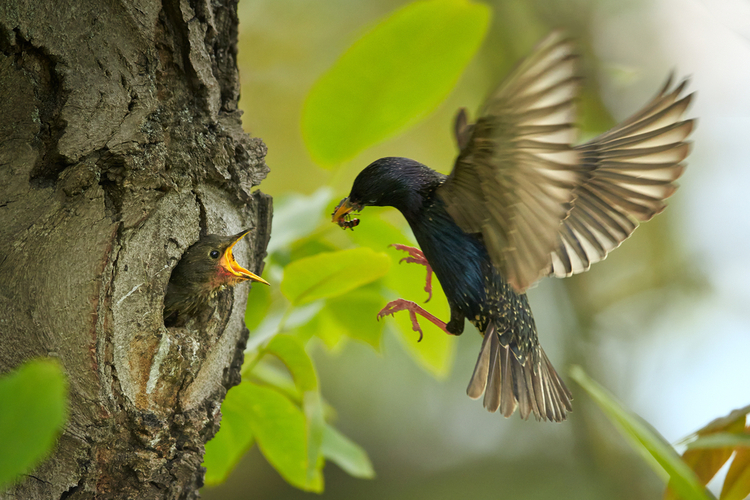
{"x":342,"y":209}
{"x":231,"y":265}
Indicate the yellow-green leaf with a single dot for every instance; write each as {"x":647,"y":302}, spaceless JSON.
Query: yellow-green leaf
{"x":331,"y":274}
{"x":645,"y":440}
{"x":280,"y":430}
{"x":391,"y":77}
{"x":292,"y":353}
{"x":233,"y":439}
{"x":357,"y":313}
{"x":33,"y":411}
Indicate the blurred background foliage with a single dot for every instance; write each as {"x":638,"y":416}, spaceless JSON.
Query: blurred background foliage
{"x":662,"y":322}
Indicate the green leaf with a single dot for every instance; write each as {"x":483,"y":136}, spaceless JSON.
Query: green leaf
{"x":645,"y":440}
{"x":332,"y":274}
{"x":292,"y":353}
{"x":33,"y":411}
{"x":346,"y":454}
{"x":357,"y":313}
{"x":234,"y":438}
{"x":296,"y":216}
{"x":280,"y":429}
{"x":391,"y":77}
{"x":274,"y":375}
{"x":326,"y":327}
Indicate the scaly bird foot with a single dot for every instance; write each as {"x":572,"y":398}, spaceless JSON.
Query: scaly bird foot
{"x":414,"y":309}
{"x":417,"y":257}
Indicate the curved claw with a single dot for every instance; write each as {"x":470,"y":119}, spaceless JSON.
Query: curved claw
{"x":407,"y":305}
{"x":417,"y":257}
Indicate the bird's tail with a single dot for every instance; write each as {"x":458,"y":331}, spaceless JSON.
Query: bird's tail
{"x":508,"y":381}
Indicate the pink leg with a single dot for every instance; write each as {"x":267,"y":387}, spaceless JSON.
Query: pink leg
{"x":417,"y":257}
{"x":414,"y":309}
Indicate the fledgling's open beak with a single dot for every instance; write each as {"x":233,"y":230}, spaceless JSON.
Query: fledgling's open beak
{"x":233,"y":267}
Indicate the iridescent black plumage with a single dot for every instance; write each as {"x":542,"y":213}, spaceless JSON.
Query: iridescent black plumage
{"x":523,"y":202}
{"x":474,"y":288}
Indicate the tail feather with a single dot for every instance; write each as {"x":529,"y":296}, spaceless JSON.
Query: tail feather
{"x":508,"y":399}
{"x":494,"y":378}
{"x":481,"y":370}
{"x":524,"y":394}
{"x":532,"y":385}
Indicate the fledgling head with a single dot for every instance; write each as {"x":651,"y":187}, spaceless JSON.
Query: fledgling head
{"x":394,"y":182}
{"x":207,"y":266}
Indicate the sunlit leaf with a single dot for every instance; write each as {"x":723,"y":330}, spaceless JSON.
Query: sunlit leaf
{"x":645,"y":440}
{"x":295,"y":216}
{"x":280,"y":430}
{"x":309,"y":246}
{"x":276,"y":376}
{"x":391,"y":77}
{"x":326,"y":327}
{"x":737,"y":483}
{"x":704,"y":458}
{"x":356,"y":312}
{"x":332,"y":274}
{"x":33,"y":411}
{"x":292,"y":353}
{"x":346,"y":454}
{"x":234,"y":438}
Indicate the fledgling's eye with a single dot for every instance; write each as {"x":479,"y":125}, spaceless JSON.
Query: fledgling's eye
{"x":214,"y":254}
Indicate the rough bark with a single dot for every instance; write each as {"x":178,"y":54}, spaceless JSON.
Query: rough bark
{"x":121,"y":143}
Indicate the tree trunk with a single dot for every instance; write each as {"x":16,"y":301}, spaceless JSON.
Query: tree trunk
{"x":121,"y":143}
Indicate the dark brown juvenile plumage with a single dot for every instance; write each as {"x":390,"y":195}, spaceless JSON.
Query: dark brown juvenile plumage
{"x":523,"y":202}
{"x":205,"y":268}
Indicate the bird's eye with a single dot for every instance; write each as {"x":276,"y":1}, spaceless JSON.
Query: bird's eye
{"x":214,"y":254}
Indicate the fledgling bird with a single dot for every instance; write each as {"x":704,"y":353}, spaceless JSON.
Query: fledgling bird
{"x":521,"y":203}
{"x":205,"y":268}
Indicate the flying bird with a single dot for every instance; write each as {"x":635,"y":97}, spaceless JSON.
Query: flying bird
{"x":205,"y":268}
{"x":521,"y":203}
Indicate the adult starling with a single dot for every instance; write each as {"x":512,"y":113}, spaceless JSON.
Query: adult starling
{"x":522,"y":202}
{"x":206,"y":267}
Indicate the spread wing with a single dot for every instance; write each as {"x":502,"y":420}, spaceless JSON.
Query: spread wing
{"x":633,"y":169}
{"x":515,"y":177}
